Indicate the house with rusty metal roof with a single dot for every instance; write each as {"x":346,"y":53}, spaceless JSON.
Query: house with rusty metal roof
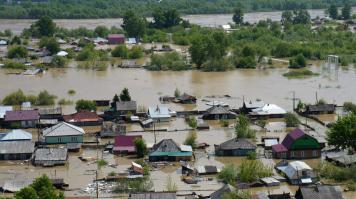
{"x":22,"y":118}
{"x":83,"y":118}
{"x":319,"y":192}
{"x":235,"y":147}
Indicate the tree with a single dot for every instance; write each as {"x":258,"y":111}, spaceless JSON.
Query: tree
{"x":192,"y":122}
{"x":291,"y":120}
{"x":114,"y":101}
{"x":229,"y":174}
{"x":125,"y":95}
{"x":120,"y":51}
{"x":159,"y":18}
{"x":171,"y":186}
{"x":238,"y":16}
{"x":197,"y":51}
{"x":287,"y":19}
{"x":166,"y":19}
{"x":177,"y":93}
{"x":15,"y":98}
{"x":50,"y":43}
{"x":41,"y":188}
{"x":17,"y":52}
{"x":135,"y":52}
{"x":45,"y":26}
{"x":102,"y":31}
{"x":45,"y":99}
{"x":141,"y":147}
{"x":333,"y":12}
{"x":342,"y":133}
{"x":16,"y":40}
{"x":58,"y":61}
{"x":298,"y":61}
{"x":243,"y":129}
{"x":85,"y":105}
{"x":191,"y":139}
{"x":346,"y":11}
{"x":301,"y":16}
{"x":133,"y":25}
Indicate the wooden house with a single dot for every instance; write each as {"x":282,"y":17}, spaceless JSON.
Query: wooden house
{"x":50,"y":116}
{"x":298,"y":173}
{"x":218,"y":113}
{"x":297,"y":145}
{"x":319,"y":192}
{"x":22,"y":118}
{"x":168,"y":150}
{"x":126,"y":107}
{"x":50,"y":156}
{"x":63,"y":133}
{"x":320,"y":109}
{"x":186,"y":99}
{"x":153,"y":195}
{"x":112,"y":129}
{"x":235,"y":147}
{"x":83,"y":118}
{"x":16,"y":150}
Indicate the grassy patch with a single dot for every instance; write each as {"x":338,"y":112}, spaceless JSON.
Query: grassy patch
{"x":301,"y":73}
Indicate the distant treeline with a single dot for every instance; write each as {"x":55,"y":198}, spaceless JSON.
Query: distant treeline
{"x":80,"y":9}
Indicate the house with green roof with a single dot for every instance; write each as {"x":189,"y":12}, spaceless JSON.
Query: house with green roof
{"x":63,"y":133}
{"x":168,"y":150}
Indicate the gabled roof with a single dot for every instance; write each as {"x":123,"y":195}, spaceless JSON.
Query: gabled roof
{"x":321,"y":107}
{"x":17,"y":147}
{"x":51,"y":154}
{"x":321,"y":192}
{"x":16,"y":135}
{"x":63,"y":129}
{"x":295,"y":166}
{"x":225,"y":189}
{"x":158,"y":112}
{"x":279,"y":148}
{"x":21,"y":115}
{"x":126,"y":106}
{"x":166,"y":145}
{"x":3,"y":110}
{"x":218,"y":110}
{"x":236,"y":143}
{"x":254,"y":104}
{"x":291,"y":137}
{"x":82,"y":116}
{"x":269,"y":109}
{"x":110,"y":36}
{"x":125,"y":142}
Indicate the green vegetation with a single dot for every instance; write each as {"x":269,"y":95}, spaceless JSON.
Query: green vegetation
{"x":50,"y":43}
{"x":300,"y":73}
{"x":14,"y":65}
{"x":238,"y":16}
{"x":191,"y":139}
{"x":262,"y":123}
{"x":330,"y":171}
{"x":141,"y":147}
{"x":71,"y":92}
{"x":134,"y":185}
{"x":243,"y":129}
{"x":41,"y":188}
{"x":122,"y":51}
{"x":113,"y":9}
{"x":101,"y":163}
{"x":350,"y":107}
{"x":298,"y":61}
{"x":18,"y":97}
{"x":252,"y":170}
{"x":59,"y":62}
{"x":171,"y":186}
{"x":342,"y":133}
{"x":168,"y":61}
{"x":177,"y":93}
{"x":17,"y":52}
{"x":64,"y":102}
{"x":192,"y":122}
{"x":165,"y":18}
{"x":125,"y":95}
{"x":252,"y":156}
{"x":134,"y":25}
{"x":85,"y":105}
{"x":229,"y":174}
{"x":291,"y":120}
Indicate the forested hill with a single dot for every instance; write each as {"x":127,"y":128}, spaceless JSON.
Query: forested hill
{"x":76,"y":9}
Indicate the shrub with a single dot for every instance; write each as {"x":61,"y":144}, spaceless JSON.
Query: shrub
{"x":71,"y":92}
{"x":141,"y":147}
{"x":298,"y":61}
{"x":50,"y":43}
{"x":168,"y":61}
{"x":243,"y":129}
{"x":229,"y":174}
{"x":45,"y":99}
{"x":300,"y":73}
{"x":85,"y":105}
{"x":58,"y":61}
{"x":291,"y":120}
{"x":252,"y":170}
{"x":120,"y":51}
{"x":17,"y":52}
{"x":350,"y":107}
{"x":14,"y":65}
{"x":101,"y":163}
{"x":135,"y":52}
{"x":191,"y":139}
{"x":64,"y":102}
{"x":252,"y":156}
{"x":192,"y":122}
{"x":15,"y":98}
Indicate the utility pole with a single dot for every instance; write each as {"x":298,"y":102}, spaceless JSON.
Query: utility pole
{"x":97,"y":167}
{"x":154,"y":131}
{"x":97,"y":184}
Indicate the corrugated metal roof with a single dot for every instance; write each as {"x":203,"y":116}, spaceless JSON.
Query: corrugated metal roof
{"x":17,"y":147}
{"x":153,"y":195}
{"x":16,"y":134}
{"x":158,"y":112}
{"x":63,"y":129}
{"x":51,"y":154}
{"x":237,"y":143}
{"x":3,"y":110}
{"x":269,"y":109}
{"x":21,"y":115}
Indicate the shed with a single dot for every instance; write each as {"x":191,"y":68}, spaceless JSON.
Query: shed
{"x":116,"y":39}
{"x":125,"y":144}
{"x":16,"y":135}
{"x":153,"y":195}
{"x":249,"y":106}
{"x":63,"y":133}
{"x":270,"y":181}
{"x":268,"y":110}
{"x":50,"y":156}
{"x":299,"y":172}
{"x":125,"y":107}
{"x":16,"y":150}
{"x":207,"y":170}
{"x":235,"y":147}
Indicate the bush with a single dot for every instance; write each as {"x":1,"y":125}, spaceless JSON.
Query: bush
{"x":50,"y":43}
{"x":135,"y":52}
{"x":191,"y":139}
{"x":298,"y":61}
{"x":14,"y":65}
{"x":141,"y":147}
{"x":58,"y":61}
{"x":252,"y":170}
{"x":300,"y":73}
{"x":64,"y":102}
{"x":85,"y":105}
{"x":331,"y":171}
{"x":168,"y":61}
{"x":291,"y":120}
{"x":86,"y":54}
{"x":15,"y":98}
{"x":243,"y":129}
{"x":45,"y":99}
{"x":120,"y":51}
{"x":216,"y":65}
{"x":229,"y":174}
{"x":17,"y":52}
{"x":350,"y":107}
{"x":252,"y":156}
{"x":71,"y":92}
{"x":102,"y":163}
{"x":192,"y":122}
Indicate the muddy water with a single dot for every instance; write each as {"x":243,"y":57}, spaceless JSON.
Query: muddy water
{"x":146,"y":87}
{"x":209,"y":20}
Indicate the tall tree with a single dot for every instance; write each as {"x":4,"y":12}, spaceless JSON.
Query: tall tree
{"x":301,"y":16}
{"x":50,"y":43}
{"x":343,"y":133}
{"x":287,"y":19}
{"x":159,"y":18}
{"x":197,"y":51}
{"x":141,"y":147}
{"x":45,"y":26}
{"x":333,"y":12}
{"x":238,"y":16}
{"x":125,"y":95}
{"x":134,"y":25}
{"x":172,"y":17}
{"x":346,"y":11}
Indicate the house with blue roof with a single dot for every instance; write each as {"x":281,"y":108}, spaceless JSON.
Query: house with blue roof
{"x":159,"y":113}
{"x":15,"y":135}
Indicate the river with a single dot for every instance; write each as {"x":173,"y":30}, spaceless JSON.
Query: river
{"x":207,"y":20}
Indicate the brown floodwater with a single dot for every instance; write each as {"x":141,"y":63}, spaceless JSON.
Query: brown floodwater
{"x":207,"y":20}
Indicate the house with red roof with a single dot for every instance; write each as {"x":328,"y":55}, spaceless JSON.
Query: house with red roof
{"x":21,"y":118}
{"x":83,"y":118}
{"x":116,"y":39}
{"x":297,"y":145}
{"x":125,"y":144}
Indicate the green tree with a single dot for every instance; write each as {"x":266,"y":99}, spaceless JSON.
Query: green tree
{"x":342,"y":134}
{"x":41,"y":188}
{"x":333,"y":12}
{"x":177,"y":93}
{"x":120,"y":51}
{"x":85,"y":105}
{"x":301,"y":16}
{"x":15,"y":98}
{"x":125,"y":95}
{"x":136,"y":52}
{"x":50,"y":43}
{"x":172,"y":18}
{"x":229,"y":174}
{"x":191,"y":139}
{"x":238,"y":16}
{"x":102,"y":31}
{"x":114,"y":101}
{"x":16,"y":40}
{"x":287,"y":19}
{"x":58,"y":61}
{"x":26,"y":193}
{"x":45,"y":99}
{"x":243,"y":129}
{"x":141,"y":147}
{"x":346,"y":11}
{"x":192,"y":122}
{"x":298,"y":61}
{"x":45,"y":26}
{"x":252,"y":170}
{"x":133,"y":25}
{"x":158,"y":18}
{"x":17,"y":52}
{"x":291,"y":120}
{"x":235,"y":195}
{"x":197,"y":51}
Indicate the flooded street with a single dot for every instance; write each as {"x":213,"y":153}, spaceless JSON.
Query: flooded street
{"x":207,"y":20}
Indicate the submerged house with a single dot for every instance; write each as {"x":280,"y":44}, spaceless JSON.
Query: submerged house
{"x":248,"y":107}
{"x":168,"y":150}
{"x":320,"y":109}
{"x":268,"y":111}
{"x":50,"y":116}
{"x":297,"y":145}
{"x":112,"y":129}
{"x":116,"y":39}
{"x":153,"y":195}
{"x":15,"y":135}
{"x":22,"y":118}
{"x":186,"y":99}
{"x":235,"y":147}
{"x":126,"y":107}
{"x":83,"y":118}
{"x":125,"y":144}
{"x":50,"y":156}
{"x":298,"y":173}
{"x":16,"y":150}
{"x":218,"y":113}
{"x":319,"y":192}
{"x":159,"y":113}
{"x":63,"y":133}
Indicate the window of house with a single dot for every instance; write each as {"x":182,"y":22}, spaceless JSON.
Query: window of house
{"x":315,"y":153}
{"x":302,"y":154}
{"x":292,"y":154}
